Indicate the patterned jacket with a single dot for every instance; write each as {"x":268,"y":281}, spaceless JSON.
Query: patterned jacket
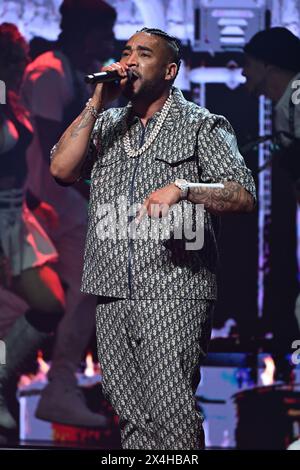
{"x":192,"y":144}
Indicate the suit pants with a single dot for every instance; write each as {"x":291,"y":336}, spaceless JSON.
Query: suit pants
{"x":150,"y":353}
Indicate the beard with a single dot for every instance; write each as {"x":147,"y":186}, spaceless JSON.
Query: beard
{"x":148,"y":90}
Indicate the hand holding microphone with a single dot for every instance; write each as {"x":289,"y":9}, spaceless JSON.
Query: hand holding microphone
{"x":104,"y":77}
{"x":110,"y":82}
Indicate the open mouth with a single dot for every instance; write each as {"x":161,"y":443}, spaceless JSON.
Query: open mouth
{"x":134,"y":76}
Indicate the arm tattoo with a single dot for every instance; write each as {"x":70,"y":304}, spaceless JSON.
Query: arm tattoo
{"x":81,"y":122}
{"x":232,"y":198}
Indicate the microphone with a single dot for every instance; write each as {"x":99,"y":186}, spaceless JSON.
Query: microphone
{"x":102,"y":77}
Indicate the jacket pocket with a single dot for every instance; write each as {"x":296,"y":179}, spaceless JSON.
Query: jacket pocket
{"x":176,"y":160}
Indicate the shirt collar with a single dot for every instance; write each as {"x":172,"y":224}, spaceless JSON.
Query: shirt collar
{"x":178,"y":101}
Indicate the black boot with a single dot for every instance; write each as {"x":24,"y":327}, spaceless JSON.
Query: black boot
{"x":62,"y":401}
{"x":21,"y":340}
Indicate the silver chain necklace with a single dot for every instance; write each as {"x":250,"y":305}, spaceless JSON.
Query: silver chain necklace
{"x":126,"y":141}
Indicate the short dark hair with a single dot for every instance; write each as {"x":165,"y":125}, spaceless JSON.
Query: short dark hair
{"x":78,"y":17}
{"x":172,"y":42}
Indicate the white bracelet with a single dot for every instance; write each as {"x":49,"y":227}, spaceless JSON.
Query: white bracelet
{"x":185,"y":185}
{"x":93,"y":110}
{"x":206,"y":185}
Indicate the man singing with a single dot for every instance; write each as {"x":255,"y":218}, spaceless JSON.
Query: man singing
{"x":156,"y":294}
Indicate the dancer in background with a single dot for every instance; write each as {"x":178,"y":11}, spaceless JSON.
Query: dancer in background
{"x":26,"y":252}
{"x":54,"y":91}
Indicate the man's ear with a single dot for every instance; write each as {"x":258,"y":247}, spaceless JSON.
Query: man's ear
{"x":171,"y":71}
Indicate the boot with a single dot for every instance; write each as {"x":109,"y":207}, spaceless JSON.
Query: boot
{"x":63,"y":402}
{"x":21,"y":340}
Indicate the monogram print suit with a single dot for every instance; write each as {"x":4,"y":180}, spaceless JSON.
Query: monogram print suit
{"x":156,"y":297}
